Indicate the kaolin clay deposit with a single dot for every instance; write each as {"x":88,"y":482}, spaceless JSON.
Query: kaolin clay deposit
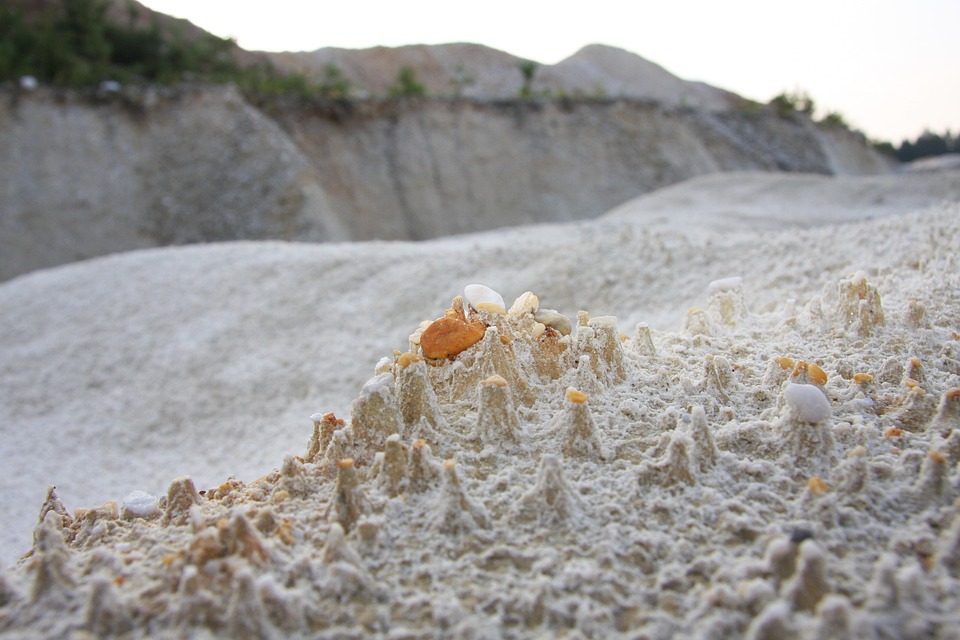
{"x":580,"y":484}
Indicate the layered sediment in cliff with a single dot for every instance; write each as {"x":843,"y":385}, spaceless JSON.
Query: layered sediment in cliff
{"x":93,"y":175}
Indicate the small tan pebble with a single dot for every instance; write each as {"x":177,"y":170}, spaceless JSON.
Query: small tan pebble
{"x":280,"y":496}
{"x":449,"y":464}
{"x":538,"y":330}
{"x":447,"y":337}
{"x":892,"y":432}
{"x":952,"y":394}
{"x":504,"y":339}
{"x":526,"y":303}
{"x":936,"y":456}
{"x":817,"y":485}
{"x":407,"y":359}
{"x":785,"y":363}
{"x":857,"y":451}
{"x":817,"y":374}
{"x":862,"y":378}
{"x":496,"y":380}
{"x":578,"y":397}
{"x":911,"y":383}
{"x":345,"y":463}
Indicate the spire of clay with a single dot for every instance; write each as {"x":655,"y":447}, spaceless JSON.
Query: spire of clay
{"x":246,"y":615}
{"x":293,"y":477}
{"x":423,"y":471}
{"x":497,"y":422}
{"x":393,"y":467}
{"x":347,"y":499}
{"x":600,"y":340}
{"x":417,"y":399}
{"x":456,"y":512}
{"x":551,"y":499}
{"x":704,"y":446}
{"x":181,"y":496}
{"x":337,"y":549}
{"x":809,"y":584}
{"x":105,"y":614}
{"x":933,"y":484}
{"x":947,"y":416}
{"x":52,"y":583}
{"x":375,"y":416}
{"x":581,"y":438}
{"x":858,"y":305}
{"x":643,"y":340}
{"x":323,"y":427}
{"x":53,"y":503}
{"x":725,"y":302}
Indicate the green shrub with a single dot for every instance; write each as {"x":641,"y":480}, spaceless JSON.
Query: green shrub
{"x":407,"y":84}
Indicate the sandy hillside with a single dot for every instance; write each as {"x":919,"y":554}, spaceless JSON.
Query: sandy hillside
{"x":124,"y":372}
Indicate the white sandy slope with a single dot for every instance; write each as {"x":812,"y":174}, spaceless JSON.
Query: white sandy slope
{"x":123,"y":372}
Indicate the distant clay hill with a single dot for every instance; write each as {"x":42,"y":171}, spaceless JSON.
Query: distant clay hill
{"x":473,"y":70}
{"x":87,"y":174}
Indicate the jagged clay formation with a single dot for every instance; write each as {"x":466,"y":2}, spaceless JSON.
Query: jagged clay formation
{"x":544,"y":477}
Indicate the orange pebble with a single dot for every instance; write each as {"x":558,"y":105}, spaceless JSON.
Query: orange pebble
{"x":893,"y":432}
{"x":578,"y":397}
{"x":447,"y":337}
{"x":862,"y":378}
{"x":817,"y":485}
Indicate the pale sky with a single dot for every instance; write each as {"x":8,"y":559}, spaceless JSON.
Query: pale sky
{"x":891,"y":67}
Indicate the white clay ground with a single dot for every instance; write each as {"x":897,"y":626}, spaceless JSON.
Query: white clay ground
{"x":692,"y":493}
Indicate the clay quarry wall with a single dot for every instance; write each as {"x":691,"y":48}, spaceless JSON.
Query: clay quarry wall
{"x":89,"y":175}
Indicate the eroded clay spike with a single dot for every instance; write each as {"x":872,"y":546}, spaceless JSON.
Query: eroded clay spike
{"x":933,"y":484}
{"x":293,"y":477}
{"x":809,"y":585}
{"x":347,"y":500}
{"x":323,"y":428}
{"x":417,"y":399}
{"x":246,"y":615}
{"x":456,"y":513}
{"x":240,"y":538}
{"x":375,"y":416}
{"x":551,"y":499}
{"x":497,"y":423}
{"x":581,"y":437}
{"x":52,"y":503}
{"x":947,"y":416}
{"x":393,"y":468}
{"x":105,"y":614}
{"x":52,"y":583}
{"x":726,"y":301}
{"x":181,"y":496}
{"x":423,"y":471}
{"x":643,"y":341}
{"x":705,"y":447}
{"x":858,"y":305}
{"x":337,"y":549}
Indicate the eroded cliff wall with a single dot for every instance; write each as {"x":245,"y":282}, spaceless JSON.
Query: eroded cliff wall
{"x":86,"y":175}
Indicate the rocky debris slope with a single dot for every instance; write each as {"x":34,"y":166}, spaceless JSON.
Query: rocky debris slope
{"x":148,"y":167}
{"x":791,"y":472}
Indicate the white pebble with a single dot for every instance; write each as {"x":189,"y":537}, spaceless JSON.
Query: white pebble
{"x":808,"y":402}
{"x":724,"y":284}
{"x":483,"y":298}
{"x":140,"y":504}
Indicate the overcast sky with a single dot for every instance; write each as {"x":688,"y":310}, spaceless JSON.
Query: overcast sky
{"x":891,"y":67}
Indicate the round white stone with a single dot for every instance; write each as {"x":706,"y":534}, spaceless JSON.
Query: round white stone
{"x":808,"y":402}
{"x":482,"y":297}
{"x":140,"y":504}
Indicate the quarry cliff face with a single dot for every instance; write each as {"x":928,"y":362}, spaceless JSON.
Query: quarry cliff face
{"x":91,"y":175}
